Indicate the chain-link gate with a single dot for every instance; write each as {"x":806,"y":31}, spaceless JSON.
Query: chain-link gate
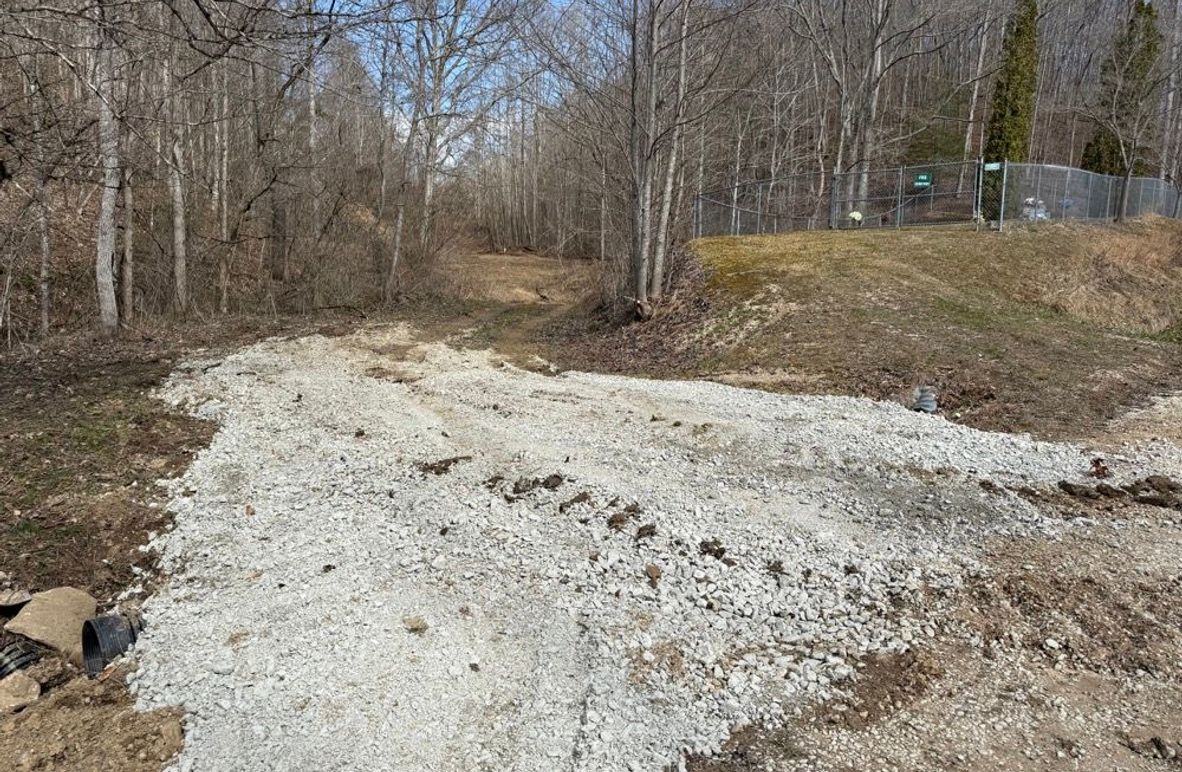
{"x":977,"y":193}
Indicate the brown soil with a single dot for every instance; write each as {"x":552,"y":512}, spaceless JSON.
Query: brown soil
{"x":89,"y":726}
{"x":442,"y":466}
{"x":84,"y":443}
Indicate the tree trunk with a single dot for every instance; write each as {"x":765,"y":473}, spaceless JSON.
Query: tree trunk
{"x":869,"y":118}
{"x":224,"y":214}
{"x":104,"y":273}
{"x":1122,"y":208}
{"x":974,"y":96}
{"x":635,"y":161}
{"x":43,"y":232}
{"x":657,"y":283}
{"x":177,"y":192}
{"x":42,"y":195}
{"x":430,"y":148}
{"x":391,"y":283}
{"x":127,"y":266}
{"x":1171,"y":126}
{"x":603,"y":209}
{"x":645,"y":158}
{"x":383,"y":94}
{"x":313,"y":161}
{"x":179,"y":254}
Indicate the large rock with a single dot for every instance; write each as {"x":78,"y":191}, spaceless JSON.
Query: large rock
{"x":17,"y":691}
{"x":54,"y":618}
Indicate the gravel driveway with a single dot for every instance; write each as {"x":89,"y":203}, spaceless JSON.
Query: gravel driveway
{"x":403,"y":556}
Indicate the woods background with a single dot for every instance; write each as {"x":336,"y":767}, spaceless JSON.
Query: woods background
{"x":203,"y":157}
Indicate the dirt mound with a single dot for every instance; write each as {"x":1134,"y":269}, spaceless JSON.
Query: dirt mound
{"x":89,"y":726}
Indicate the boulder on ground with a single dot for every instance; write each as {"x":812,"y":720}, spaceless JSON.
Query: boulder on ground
{"x":17,"y":691}
{"x":54,"y":618}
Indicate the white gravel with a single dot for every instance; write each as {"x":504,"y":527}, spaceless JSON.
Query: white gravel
{"x":301,"y":547}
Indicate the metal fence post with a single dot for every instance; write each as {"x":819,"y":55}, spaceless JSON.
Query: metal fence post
{"x":1091,"y":178}
{"x":1066,"y":200}
{"x":697,"y":228}
{"x":1001,"y":210}
{"x":978,"y":185}
{"x":899,"y":199}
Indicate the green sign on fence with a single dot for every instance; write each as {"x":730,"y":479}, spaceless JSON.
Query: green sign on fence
{"x":923,"y":180}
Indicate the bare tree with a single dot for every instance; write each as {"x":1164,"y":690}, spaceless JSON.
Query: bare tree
{"x":105,"y":91}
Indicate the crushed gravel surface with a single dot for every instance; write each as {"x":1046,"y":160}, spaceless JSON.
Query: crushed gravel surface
{"x":397,"y":556}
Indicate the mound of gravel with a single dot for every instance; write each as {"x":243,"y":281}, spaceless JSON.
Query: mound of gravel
{"x":603,"y":573}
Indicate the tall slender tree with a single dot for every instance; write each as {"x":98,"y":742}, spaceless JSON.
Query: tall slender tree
{"x":1012,"y":108}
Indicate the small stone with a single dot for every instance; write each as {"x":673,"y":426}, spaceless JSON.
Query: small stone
{"x":1051,"y":644}
{"x":223,"y":662}
{"x":16,"y":691}
{"x":415,"y":624}
{"x":10,"y":598}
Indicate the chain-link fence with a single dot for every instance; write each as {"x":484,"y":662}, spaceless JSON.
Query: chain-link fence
{"x":796,"y":203}
{"x":975,"y":194}
{"x":932,"y":194}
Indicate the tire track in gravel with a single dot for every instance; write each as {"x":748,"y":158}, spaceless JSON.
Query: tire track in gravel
{"x":334,"y":606}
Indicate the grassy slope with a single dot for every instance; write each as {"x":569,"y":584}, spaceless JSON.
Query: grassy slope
{"x":1051,"y":330}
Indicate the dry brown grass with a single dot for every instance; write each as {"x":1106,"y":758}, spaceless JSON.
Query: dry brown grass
{"x":1124,"y":277}
{"x":513,"y":278}
{"x":1054,"y":330}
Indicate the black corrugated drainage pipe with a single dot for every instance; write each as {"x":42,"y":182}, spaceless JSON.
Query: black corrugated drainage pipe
{"x":105,"y":638}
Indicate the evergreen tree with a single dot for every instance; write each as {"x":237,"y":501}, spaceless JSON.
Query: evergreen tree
{"x":1102,"y":153}
{"x":1012,"y":107}
{"x":1127,"y":85}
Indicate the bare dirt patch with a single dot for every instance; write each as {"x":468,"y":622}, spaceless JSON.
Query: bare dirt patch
{"x":89,"y":726}
{"x":84,"y":443}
